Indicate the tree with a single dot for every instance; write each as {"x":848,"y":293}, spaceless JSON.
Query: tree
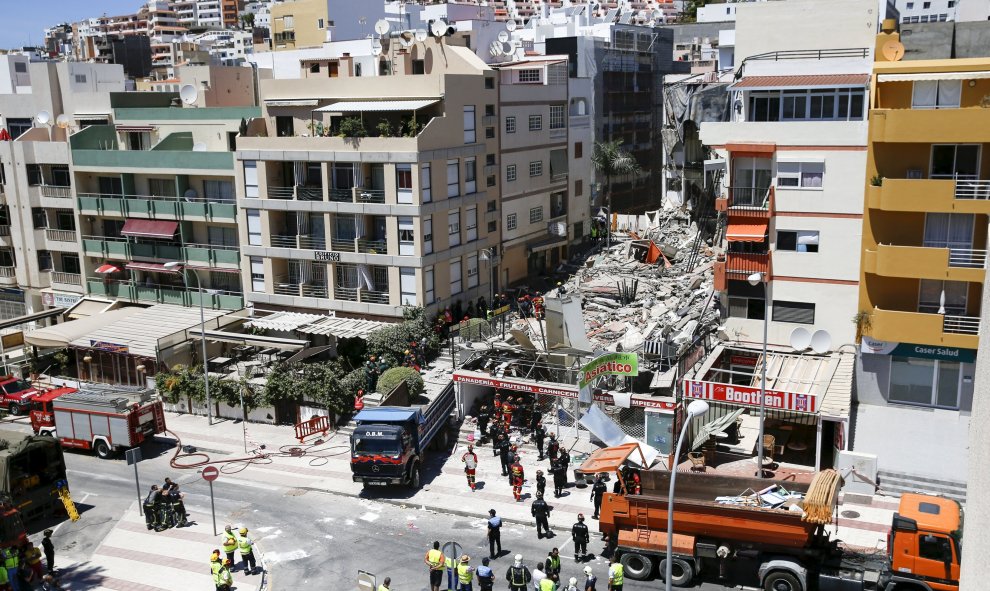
{"x":611,"y":160}
{"x":247,"y":21}
{"x":391,"y":342}
{"x":393,"y":377}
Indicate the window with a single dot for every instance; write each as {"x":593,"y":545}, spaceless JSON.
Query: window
{"x":510,"y":125}
{"x":425,"y":183}
{"x":403,"y":183}
{"x":418,"y":67}
{"x":932,"y":291}
{"x":471,"y":223}
{"x":453,"y":179}
{"x":284,"y":126}
{"x":926,"y":5}
{"x":216,"y":191}
{"x":943,"y":17}
{"x":251,"y":179}
{"x":407,"y":237}
{"x":556,"y":116}
{"x":578,"y":150}
{"x":257,"y":274}
{"x":805,"y":175}
{"x":430,"y":295}
{"x":428,"y":235}
{"x":472,"y":270}
{"x":796,"y":312}
{"x":952,"y":3}
{"x":39,"y":217}
{"x":357,"y":70}
{"x":510,"y":221}
{"x":70,"y":264}
{"x":489,"y":110}
{"x":910,"y":5}
{"x":529,"y":76}
{"x":20,"y":67}
{"x":536,"y":168}
{"x":492,"y":206}
{"x":950,"y":230}
{"x":489,"y":82}
{"x":288,"y":22}
{"x":489,"y":159}
{"x":455,"y":276}
{"x":320,"y":23}
{"x":489,"y":133}
{"x":221,"y":236}
{"x":578,"y":230}
{"x":955,"y":161}
{"x":558,"y":164}
{"x":557,"y":73}
{"x":936,"y":94}
{"x":828,"y":104}
{"x":407,"y":286}
{"x":314,"y":68}
{"x":34,"y":176}
{"x":746,"y":301}
{"x":469,"y":123}
{"x":7,"y":258}
{"x":578,"y":188}
{"x":799,"y":240}
{"x":535,"y":122}
{"x":924,"y":382}
{"x":490,"y":181}
{"x":510,"y":173}
{"x":18,"y":127}
{"x":65,"y":219}
{"x":45,"y":261}
{"x":453,"y":228}
{"x":254,"y":226}
{"x":536,"y":215}
{"x":470,"y":176}
{"x":492,"y":227}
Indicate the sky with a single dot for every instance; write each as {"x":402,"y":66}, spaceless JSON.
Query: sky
{"x":25,"y":21}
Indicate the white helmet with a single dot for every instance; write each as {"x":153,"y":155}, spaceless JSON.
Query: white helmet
{"x":587,"y":570}
{"x":573,"y":581}
{"x":518,"y":560}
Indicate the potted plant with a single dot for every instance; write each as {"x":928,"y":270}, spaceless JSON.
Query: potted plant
{"x":876,"y":180}
{"x":384,"y":128}
{"x":352,"y":127}
{"x":864,"y":322}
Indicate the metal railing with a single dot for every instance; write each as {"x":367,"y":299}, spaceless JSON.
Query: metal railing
{"x":804,"y":54}
{"x":292,"y":289}
{"x":342,"y":195}
{"x":369,"y":195}
{"x":747,"y":262}
{"x":56,"y":191}
{"x":374,"y":297}
{"x":972,"y":189}
{"x":60,"y":235}
{"x":313,"y":242}
{"x":66,"y":278}
{"x":343,"y":244}
{"x":7,"y":271}
{"x":968,"y":258}
{"x":309,"y":193}
{"x":314,"y":290}
{"x":345,"y":293}
{"x":961,"y":324}
{"x":281,"y":192}
{"x":156,"y":198}
{"x":749,"y":197}
{"x":372,"y":246}
{"x":284,"y":240}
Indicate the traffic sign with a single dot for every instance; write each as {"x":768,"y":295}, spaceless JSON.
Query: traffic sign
{"x":210,"y":473}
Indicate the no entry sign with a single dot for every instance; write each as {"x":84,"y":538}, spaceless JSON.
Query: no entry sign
{"x":210,"y":473}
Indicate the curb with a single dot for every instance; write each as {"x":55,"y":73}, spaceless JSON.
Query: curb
{"x":265,"y":572}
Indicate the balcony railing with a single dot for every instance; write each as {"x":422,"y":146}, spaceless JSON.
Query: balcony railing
{"x":349,"y":294}
{"x":961,"y":325}
{"x":342,"y":195}
{"x":972,"y":189}
{"x":166,"y":294}
{"x":757,"y":198}
{"x":299,"y":193}
{"x":369,"y":195}
{"x":5,"y":230}
{"x":314,"y":291}
{"x":372,"y":246}
{"x":7,"y":271}
{"x":967,"y":258}
{"x":66,"y":278}
{"x":746,"y":263}
{"x":56,"y":191}
{"x":281,"y":192}
{"x":150,"y":206}
{"x":120,"y":248}
{"x":307,"y":290}
{"x":343,"y":244}
{"x":374,"y":297}
{"x":60,"y":235}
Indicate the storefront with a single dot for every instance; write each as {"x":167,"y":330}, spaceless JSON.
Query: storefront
{"x":920,"y":375}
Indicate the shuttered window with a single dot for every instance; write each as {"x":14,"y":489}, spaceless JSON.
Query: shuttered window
{"x":796,"y":312}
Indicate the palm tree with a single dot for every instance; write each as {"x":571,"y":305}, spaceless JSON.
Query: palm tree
{"x":611,"y":160}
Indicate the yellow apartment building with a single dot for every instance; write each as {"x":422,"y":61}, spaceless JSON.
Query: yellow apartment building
{"x":298,"y":23}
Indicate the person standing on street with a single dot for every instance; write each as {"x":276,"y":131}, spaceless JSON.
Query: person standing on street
{"x":580,"y":535}
{"x":552,"y":567}
{"x":572,"y":585}
{"x":598,"y":491}
{"x":535,"y":418}
{"x":224,"y":580}
{"x":215,"y":564}
{"x":541,"y":511}
{"x":49,"y":548}
{"x":386,"y":584}
{"x":229,"y":544}
{"x":513,"y":457}
{"x":553,"y":447}
{"x":518,"y":477}
{"x":465,"y":574}
{"x":508,"y":407}
{"x":11,"y":559}
{"x":436,"y":561}
{"x":151,"y":509}
{"x":486,"y":577}
{"x":538,"y":577}
{"x":549,"y":583}
{"x":541,"y":482}
{"x":245,"y":546}
{"x":590,"y":580}
{"x":505,"y":453}
{"x":517,"y":575}
{"x":615,"y":575}
{"x":559,"y":472}
{"x":494,"y":534}
{"x":539,"y":433}
{"x":470,"y":460}
{"x":484,"y":417}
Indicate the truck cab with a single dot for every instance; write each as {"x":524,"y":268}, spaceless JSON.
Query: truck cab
{"x":42,"y":413}
{"x":925,"y":543}
{"x":385,"y":447}
{"x":16,"y":394}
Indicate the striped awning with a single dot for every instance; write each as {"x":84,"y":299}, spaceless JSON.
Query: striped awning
{"x":804,"y":81}
{"x":367,"y":106}
{"x":149,"y":228}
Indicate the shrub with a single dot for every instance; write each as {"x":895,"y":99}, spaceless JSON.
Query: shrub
{"x":393,"y":377}
{"x":352,"y":127}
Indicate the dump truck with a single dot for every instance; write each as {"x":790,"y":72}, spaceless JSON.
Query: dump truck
{"x":779,"y":549}
{"x":388,"y":445}
{"x":103,"y":420}
{"x":32,"y":470}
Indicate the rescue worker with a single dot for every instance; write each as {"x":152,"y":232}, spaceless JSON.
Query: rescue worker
{"x":517,"y":575}
{"x":435,"y":560}
{"x":505,"y":453}
{"x":572,"y":585}
{"x":229,"y":544}
{"x":11,"y":560}
{"x":598,"y":491}
{"x":465,"y":574}
{"x":177,"y":507}
{"x":386,"y":584}
{"x":470,"y":460}
{"x":541,"y":482}
{"x":615,"y":575}
{"x":518,"y":477}
{"x":215,"y":565}
{"x":590,"y":580}
{"x":508,"y":407}
{"x":553,"y":447}
{"x":151,"y":503}
{"x":484,"y":417}
{"x":581,"y":536}
{"x":494,"y":430}
{"x":513,"y":455}
{"x":49,"y":548}
{"x":559,"y":471}
{"x":245,"y":546}
{"x":224,"y":579}
{"x":541,"y":511}
{"x":4,"y":579}
{"x":549,"y":583}
{"x":497,"y":404}
{"x":552,"y":563}
{"x":494,"y":533}
{"x":539,"y":434}
{"x":486,"y":577}
{"x":33,"y":558}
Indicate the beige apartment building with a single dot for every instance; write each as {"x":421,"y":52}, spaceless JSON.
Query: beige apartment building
{"x":362,"y":194}
{"x":296,"y":24}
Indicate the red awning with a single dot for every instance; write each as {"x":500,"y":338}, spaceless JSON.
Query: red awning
{"x":149,"y":228}
{"x":107,"y":268}
{"x":156,"y":267}
{"x":213,"y":269}
{"x":746,"y":231}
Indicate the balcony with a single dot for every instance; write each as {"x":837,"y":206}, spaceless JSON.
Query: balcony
{"x":372,"y":246}
{"x":373,"y":297}
{"x":56,"y":192}
{"x":74,"y":279}
{"x":368,"y":195}
{"x":162,"y":294}
{"x":144,"y":160}
{"x":206,"y":255}
{"x":298,"y":241}
{"x":297,"y":193}
{"x":930,"y":195}
{"x":8,"y":275}
{"x":739,"y":266}
{"x":60,"y":235}
{"x":152,"y":207}
{"x":930,"y":126}
{"x":756,"y":202}
{"x":305,"y":290}
{"x":919,"y":262}
{"x":925,"y":329}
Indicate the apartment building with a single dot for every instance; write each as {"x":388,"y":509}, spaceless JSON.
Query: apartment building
{"x":924,"y":262}
{"x":297,"y":24}
{"x":364,"y":194}
{"x":157,"y":186}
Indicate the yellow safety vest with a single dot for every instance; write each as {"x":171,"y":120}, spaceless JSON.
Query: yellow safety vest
{"x":3,"y":576}
{"x":546,"y":584}
{"x":244,"y":545}
{"x":464,"y":573}
{"x":10,"y":559}
{"x":33,"y":556}
{"x":435,"y":558}
{"x":224,"y":577}
{"x":229,"y":544}
{"x":554,"y":563}
{"x":617,"y":575}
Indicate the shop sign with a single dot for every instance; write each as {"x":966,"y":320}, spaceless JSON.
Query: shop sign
{"x":108,"y":347}
{"x":615,"y":364}
{"x":11,"y":294}
{"x":326,"y":256}
{"x":747,"y":396}
{"x":561,"y":392}
{"x":876,"y":347}
{"x":59,"y":300}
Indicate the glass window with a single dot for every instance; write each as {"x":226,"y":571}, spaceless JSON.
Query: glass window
{"x":955,"y":161}
{"x":950,"y":230}
{"x":947,"y":390}
{"x":510,"y":125}
{"x":556,"y":116}
{"x":471,"y":223}
{"x":536,"y":215}
{"x":535,"y":122}
{"x":45,"y":260}
{"x":430,"y":295}
{"x":453,"y":179}
{"x":470,"y":176}
{"x":469,"y":125}
{"x":806,"y":175}
{"x":251,"y":178}
{"x":221,"y":236}
{"x":407,"y":286}
{"x":536,"y":168}
{"x":930,"y":297}
{"x":407,"y":236}
{"x":39,"y":217}
{"x":254,"y":226}
{"x":936,"y":94}
{"x":796,"y":312}
{"x":425,"y":183}
{"x":510,"y":221}
{"x":472,"y":270}
{"x":403,"y":183}
{"x":454,"y":227}
{"x":455,"y":276}
{"x":428,"y":235}
{"x":217,"y":191}
{"x":60,"y":176}
{"x":529,"y":76}
{"x":34,"y":175}
{"x":911,"y":380}
{"x":797,"y":240}
{"x":578,"y":150}
{"x":70,"y":264}
{"x":510,"y":172}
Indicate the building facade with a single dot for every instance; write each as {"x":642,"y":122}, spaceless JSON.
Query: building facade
{"x":296,"y":24}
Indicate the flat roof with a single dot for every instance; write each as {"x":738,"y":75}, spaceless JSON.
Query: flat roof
{"x":141,"y":331}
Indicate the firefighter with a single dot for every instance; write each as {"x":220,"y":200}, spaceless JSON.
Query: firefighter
{"x":151,"y":508}
{"x":518,"y":477}
{"x":494,"y":430}
{"x":553,"y":447}
{"x":539,"y":434}
{"x":246,"y":547}
{"x":517,"y":575}
{"x":514,"y":457}
{"x":229,"y":544}
{"x":497,"y":405}
{"x":504,"y":452}
{"x":597,"y":493}
{"x":177,"y":507}
{"x":535,"y":418}
{"x":580,"y":535}
{"x":541,"y":511}
{"x":470,"y":460}
{"x":507,"y":409}
{"x":559,"y":471}
{"x":484,"y":417}
{"x":541,"y":482}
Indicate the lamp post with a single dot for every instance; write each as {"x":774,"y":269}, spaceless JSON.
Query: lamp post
{"x":488,"y":254}
{"x":695,"y":409}
{"x":177,"y":266}
{"x":754,"y":280}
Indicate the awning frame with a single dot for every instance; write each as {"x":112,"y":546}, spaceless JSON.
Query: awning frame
{"x":221,"y":336}
{"x":932,"y":76}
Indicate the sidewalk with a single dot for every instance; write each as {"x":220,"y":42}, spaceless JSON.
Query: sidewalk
{"x":327,"y":468}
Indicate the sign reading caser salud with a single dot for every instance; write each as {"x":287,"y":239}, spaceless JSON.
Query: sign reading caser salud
{"x":876,"y":347}
{"x":615,"y":364}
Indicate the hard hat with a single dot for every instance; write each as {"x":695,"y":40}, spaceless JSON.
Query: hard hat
{"x":518,"y":557}
{"x":587,"y":570}
{"x":242,"y":531}
{"x":573,"y":581}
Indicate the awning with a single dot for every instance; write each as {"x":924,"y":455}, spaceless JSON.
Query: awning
{"x":715,"y":427}
{"x":87,"y":307}
{"x":283,"y":321}
{"x":342,"y":328}
{"x":307,"y":353}
{"x":212,"y":269}
{"x":746,"y":231}
{"x":156,"y":267}
{"x":220,"y":336}
{"x":291,"y":103}
{"x":135,"y":128}
{"x":933,"y":76}
{"x":149,"y":228}
{"x":360,"y":106}
{"x":809,"y":81}
{"x":107,"y":268}
{"x":60,"y":335}
{"x":609,"y":459}
{"x":19,"y":320}
{"x":91,"y":116}
{"x":546,"y":243}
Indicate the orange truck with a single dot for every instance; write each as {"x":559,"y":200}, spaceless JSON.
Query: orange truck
{"x":776,"y":549}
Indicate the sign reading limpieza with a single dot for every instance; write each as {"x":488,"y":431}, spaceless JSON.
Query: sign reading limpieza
{"x":614,"y":364}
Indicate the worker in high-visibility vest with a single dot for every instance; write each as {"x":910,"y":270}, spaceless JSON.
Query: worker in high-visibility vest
{"x":436,"y":561}
{"x":615,"y":575}
{"x":245,"y":546}
{"x":465,"y":574}
{"x":229,"y":543}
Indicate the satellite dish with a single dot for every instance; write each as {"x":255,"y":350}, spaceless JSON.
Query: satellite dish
{"x":376,"y":47}
{"x":503,"y":36}
{"x":406,"y":39}
{"x":421,"y":35}
{"x":893,"y":50}
{"x":43,"y":118}
{"x":200,"y":147}
{"x":510,"y":26}
{"x":190,"y":194}
{"x":438,"y":28}
{"x":821,"y":341}
{"x":507,"y":48}
{"x":382,"y":27}
{"x":800,"y":338}
{"x":188,"y":94}
{"x":63,"y":121}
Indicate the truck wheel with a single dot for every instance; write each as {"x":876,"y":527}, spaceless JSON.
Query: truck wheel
{"x":681,"y":575}
{"x":781,"y":581}
{"x":14,"y":408}
{"x":414,"y":477}
{"x":637,"y":566}
{"x":102,"y":450}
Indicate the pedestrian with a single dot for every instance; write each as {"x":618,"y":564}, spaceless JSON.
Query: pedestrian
{"x":553,"y":447}
{"x":11,"y":560}
{"x":229,"y":544}
{"x":505,"y":453}
{"x":225,"y":581}
{"x":245,"y":546}
{"x":517,"y":575}
{"x":559,"y":471}
{"x":494,"y":534}
{"x":386,"y":584}
{"x":151,"y":508}
{"x":538,"y":577}
{"x":470,"y":460}
{"x":33,"y":558}
{"x":435,"y":560}
{"x":486,"y":577}
{"x":580,"y":535}
{"x":215,"y":565}
{"x":590,"y":580}
{"x":49,"y":548}
{"x":539,"y":434}
{"x":541,"y":482}
{"x":615,"y":575}
{"x":541,"y":511}
{"x":484,"y":417}
{"x":518,"y":477}
{"x":465,"y":574}
{"x":598,"y":491}
{"x":553,"y":563}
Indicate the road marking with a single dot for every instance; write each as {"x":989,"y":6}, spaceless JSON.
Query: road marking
{"x":102,"y":476}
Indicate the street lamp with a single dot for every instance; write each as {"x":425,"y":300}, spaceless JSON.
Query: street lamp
{"x":178,"y":267}
{"x":489,"y":254}
{"x":695,"y":409}
{"x":754,"y":280}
